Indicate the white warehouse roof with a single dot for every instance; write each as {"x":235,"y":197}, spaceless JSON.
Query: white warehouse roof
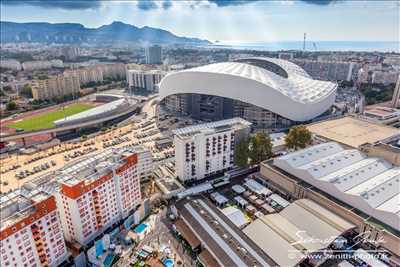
{"x":273,"y":84}
{"x":368,"y":184}
{"x":285,"y":236}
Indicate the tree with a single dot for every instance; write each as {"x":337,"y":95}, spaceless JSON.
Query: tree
{"x":298,"y":137}
{"x":11,"y":105}
{"x":26,"y":91}
{"x":241,"y":156}
{"x":260,"y":148}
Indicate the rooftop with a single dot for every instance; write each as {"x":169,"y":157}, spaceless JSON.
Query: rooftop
{"x":212,"y":127}
{"x":382,"y":111}
{"x":351,"y":131}
{"x":282,"y":230}
{"x":87,"y":169}
{"x":18,"y":205}
{"x":106,"y":108}
{"x":227,"y":244}
{"x":367,"y":183}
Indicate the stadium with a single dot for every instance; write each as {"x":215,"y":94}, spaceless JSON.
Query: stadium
{"x":66,"y":121}
{"x":115,"y":107}
{"x":271,"y":93}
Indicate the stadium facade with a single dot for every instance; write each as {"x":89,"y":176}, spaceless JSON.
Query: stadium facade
{"x":271,"y":93}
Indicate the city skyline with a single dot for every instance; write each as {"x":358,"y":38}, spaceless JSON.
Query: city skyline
{"x":229,"y":21}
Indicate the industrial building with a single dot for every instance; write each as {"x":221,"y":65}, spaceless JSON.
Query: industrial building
{"x":209,"y":231}
{"x":204,"y":150}
{"x":270,"y":93}
{"x":363,"y":190}
{"x":368,"y":184}
{"x":285,"y":236}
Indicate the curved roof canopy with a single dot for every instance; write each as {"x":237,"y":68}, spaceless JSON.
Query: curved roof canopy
{"x":273,"y":84}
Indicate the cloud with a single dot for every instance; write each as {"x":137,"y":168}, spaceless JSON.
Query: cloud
{"x":146,"y":4}
{"x":84,"y":4}
{"x":142,"y":4}
{"x":320,"y":2}
{"x":167,"y":4}
{"x":222,"y":3}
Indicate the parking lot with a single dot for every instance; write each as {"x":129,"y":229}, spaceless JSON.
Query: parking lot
{"x":19,"y":168}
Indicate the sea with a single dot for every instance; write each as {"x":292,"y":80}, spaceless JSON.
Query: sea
{"x":359,"y":46}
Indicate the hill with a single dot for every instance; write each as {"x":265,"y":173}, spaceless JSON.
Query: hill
{"x":74,"y":33}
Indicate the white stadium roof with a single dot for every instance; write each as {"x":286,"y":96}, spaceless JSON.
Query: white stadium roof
{"x":368,"y":184}
{"x":96,"y":111}
{"x":289,"y":91}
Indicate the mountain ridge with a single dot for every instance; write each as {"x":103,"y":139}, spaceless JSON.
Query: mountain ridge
{"x":76,"y":33}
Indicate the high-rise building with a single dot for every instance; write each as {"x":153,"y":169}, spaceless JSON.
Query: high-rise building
{"x":31,"y":232}
{"x":287,"y":56}
{"x":99,"y":191}
{"x":207,"y":149}
{"x":98,"y":73}
{"x":396,"y":94}
{"x":328,"y":70}
{"x":86,"y":75}
{"x":147,"y":80}
{"x":384,"y":77}
{"x":153,"y":54}
{"x":56,"y":87}
{"x":70,"y":52}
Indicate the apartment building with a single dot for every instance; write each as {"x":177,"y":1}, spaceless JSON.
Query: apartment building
{"x":31,"y":232}
{"x":100,"y":191}
{"x":396,"y":94}
{"x":70,"y":52}
{"x":98,"y":73}
{"x":113,"y":71}
{"x":10,"y":64}
{"x":86,"y":75}
{"x":206,"y":149}
{"x":55,"y":87}
{"x":384,"y":77}
{"x":153,"y":54}
{"x":329,"y":70}
{"x":147,"y":80}
{"x":42,"y":64}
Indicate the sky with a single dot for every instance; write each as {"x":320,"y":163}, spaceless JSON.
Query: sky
{"x":226,"y":20}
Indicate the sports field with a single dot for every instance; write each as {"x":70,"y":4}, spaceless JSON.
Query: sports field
{"x":44,"y":121}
